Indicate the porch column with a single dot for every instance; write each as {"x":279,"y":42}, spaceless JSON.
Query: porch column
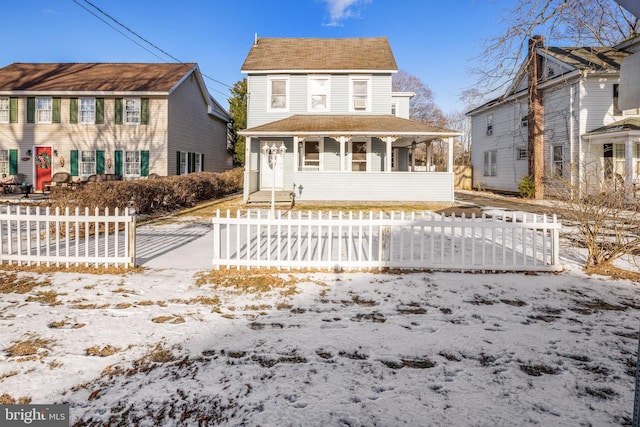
{"x":342,"y":140}
{"x":629,"y":152}
{"x":450,"y":155}
{"x":388,"y":140}
{"x":247,"y":169}
{"x":429,"y":154}
{"x":413,"y":156}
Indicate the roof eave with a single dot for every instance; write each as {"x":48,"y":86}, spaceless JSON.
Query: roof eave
{"x":251,"y":133}
{"x":319,"y":71}
{"x":81,"y":93}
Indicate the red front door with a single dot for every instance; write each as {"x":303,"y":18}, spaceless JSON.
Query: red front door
{"x":43,"y":163}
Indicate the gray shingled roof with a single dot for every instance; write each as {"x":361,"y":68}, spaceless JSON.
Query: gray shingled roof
{"x":370,"y":125}
{"x":588,"y":58}
{"x":625,"y":125}
{"x":92,"y":77}
{"x":268,"y":54}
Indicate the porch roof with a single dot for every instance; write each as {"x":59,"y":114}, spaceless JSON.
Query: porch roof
{"x":627,"y":125}
{"x":349,"y":125}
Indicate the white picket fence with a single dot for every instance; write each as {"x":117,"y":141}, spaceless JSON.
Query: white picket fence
{"x":426,"y":241}
{"x":42,"y":236}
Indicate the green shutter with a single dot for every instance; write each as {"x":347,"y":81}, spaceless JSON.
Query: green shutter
{"x":144,"y":111}
{"x":117,"y":158}
{"x":73,"y":111}
{"x":73,"y":161}
{"x":55,"y":114}
{"x":31,"y":110}
{"x":177,"y":163}
{"x":118,"y":111}
{"x":99,"y":111}
{"x":99,"y":161}
{"x":13,"y":162}
{"x":144,"y":163}
{"x":13,"y":110}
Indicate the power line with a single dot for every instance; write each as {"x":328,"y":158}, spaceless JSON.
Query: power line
{"x":140,"y":37}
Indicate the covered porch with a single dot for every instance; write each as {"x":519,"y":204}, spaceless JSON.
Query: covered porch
{"x":349,"y":158}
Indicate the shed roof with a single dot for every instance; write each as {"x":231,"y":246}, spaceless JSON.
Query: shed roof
{"x":92,"y":77}
{"x":269,"y":54}
{"x":625,"y":125}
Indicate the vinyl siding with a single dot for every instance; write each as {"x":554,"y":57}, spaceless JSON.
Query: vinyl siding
{"x":191,"y":128}
{"x":331,"y":155}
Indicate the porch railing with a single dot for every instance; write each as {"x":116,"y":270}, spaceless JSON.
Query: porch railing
{"x":42,"y":236}
{"x":348,"y":241}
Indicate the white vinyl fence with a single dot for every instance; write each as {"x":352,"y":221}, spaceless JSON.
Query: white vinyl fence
{"x":41,"y":236}
{"x":426,"y":241}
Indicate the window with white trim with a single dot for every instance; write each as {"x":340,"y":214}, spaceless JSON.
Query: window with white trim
{"x":132,"y":163}
{"x":184,"y":163}
{"x":278,"y":96}
{"x":557,"y":160}
{"x":197,"y":162}
{"x":132,"y":111}
{"x":358,"y":156}
{"x":394,"y":109}
{"x":87,"y":111}
{"x":360,"y":89}
{"x":43,"y":110}
{"x":523,"y":153}
{"x":87,"y":162}
{"x":4,"y":109}
{"x":311,"y":155}
{"x":490,"y":166}
{"x":619,"y":162}
{"x":319,"y":91}
{"x":489,"y":124}
{"x":4,"y":162}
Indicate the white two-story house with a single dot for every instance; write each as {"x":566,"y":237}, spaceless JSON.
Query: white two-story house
{"x":129,"y":119}
{"x":586,"y":137}
{"x":324,"y":124}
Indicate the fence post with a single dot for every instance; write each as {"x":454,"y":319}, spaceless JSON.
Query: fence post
{"x":216,"y":240}
{"x":555,"y":252}
{"x":132,"y":238}
{"x":385,"y":237}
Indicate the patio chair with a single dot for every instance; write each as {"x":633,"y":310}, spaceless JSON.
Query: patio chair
{"x":58,"y":179}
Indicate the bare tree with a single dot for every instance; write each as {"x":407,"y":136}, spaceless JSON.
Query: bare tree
{"x":422,"y":107}
{"x":560,"y":22}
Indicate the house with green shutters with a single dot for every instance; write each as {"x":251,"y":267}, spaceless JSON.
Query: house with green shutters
{"x":130,"y":119}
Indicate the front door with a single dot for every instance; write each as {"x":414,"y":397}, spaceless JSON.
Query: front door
{"x":271,"y":170}
{"x":42,"y":164}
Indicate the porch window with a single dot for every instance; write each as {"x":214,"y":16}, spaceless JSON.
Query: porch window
{"x":132,"y":163}
{"x":311,"y":156}
{"x":43,"y":110}
{"x":4,"y":162}
{"x":4,"y":110}
{"x":88,"y":162}
{"x":490,"y":166}
{"x":360,"y":97}
{"x":359,"y":156}
{"x":87,"y":111}
{"x":132,"y":111}
{"x":558,"y":161}
{"x":278,"y":94}
{"x":619,"y":161}
{"x":319,"y":93}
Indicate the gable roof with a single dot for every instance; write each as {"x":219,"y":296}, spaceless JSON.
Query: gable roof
{"x":92,"y":77}
{"x":306,"y":54}
{"x":354,"y":124}
{"x":587,"y":58}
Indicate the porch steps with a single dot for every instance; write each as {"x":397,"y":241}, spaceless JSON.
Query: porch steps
{"x":264,"y":198}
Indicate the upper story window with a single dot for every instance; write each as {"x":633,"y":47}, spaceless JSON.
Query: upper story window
{"x":616,"y":108}
{"x":4,"y":110}
{"x":490,"y":124}
{"x":44,"y":108}
{"x":360,"y":94}
{"x":394,"y":109}
{"x":319,"y":93}
{"x":87,"y":111}
{"x":278,"y":96}
{"x":132,"y":111}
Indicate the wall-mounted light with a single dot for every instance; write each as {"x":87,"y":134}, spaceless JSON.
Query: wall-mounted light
{"x":28,"y":153}
{"x":55,"y":153}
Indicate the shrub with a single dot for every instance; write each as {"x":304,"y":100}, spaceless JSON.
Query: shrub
{"x":150,"y":196}
{"x":527,"y":187}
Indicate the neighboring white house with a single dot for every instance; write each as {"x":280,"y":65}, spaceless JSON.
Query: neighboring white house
{"x":583,"y":129}
{"x":341,"y":133}
{"x":129,"y":119}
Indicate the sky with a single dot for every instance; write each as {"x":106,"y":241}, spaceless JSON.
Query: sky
{"x":435,"y":41}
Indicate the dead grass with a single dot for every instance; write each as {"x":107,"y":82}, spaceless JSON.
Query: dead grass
{"x":6,"y":399}
{"x":8,"y":375}
{"x":28,"y":347}
{"x":10,"y":282}
{"x":63,"y":324}
{"x":254,"y":281}
{"x":100,"y":270}
{"x":613,"y":271}
{"x":168,"y":319}
{"x":105,"y":351}
{"x":45,"y":297}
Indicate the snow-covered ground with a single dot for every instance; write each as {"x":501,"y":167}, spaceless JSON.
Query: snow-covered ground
{"x":169,"y":346}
